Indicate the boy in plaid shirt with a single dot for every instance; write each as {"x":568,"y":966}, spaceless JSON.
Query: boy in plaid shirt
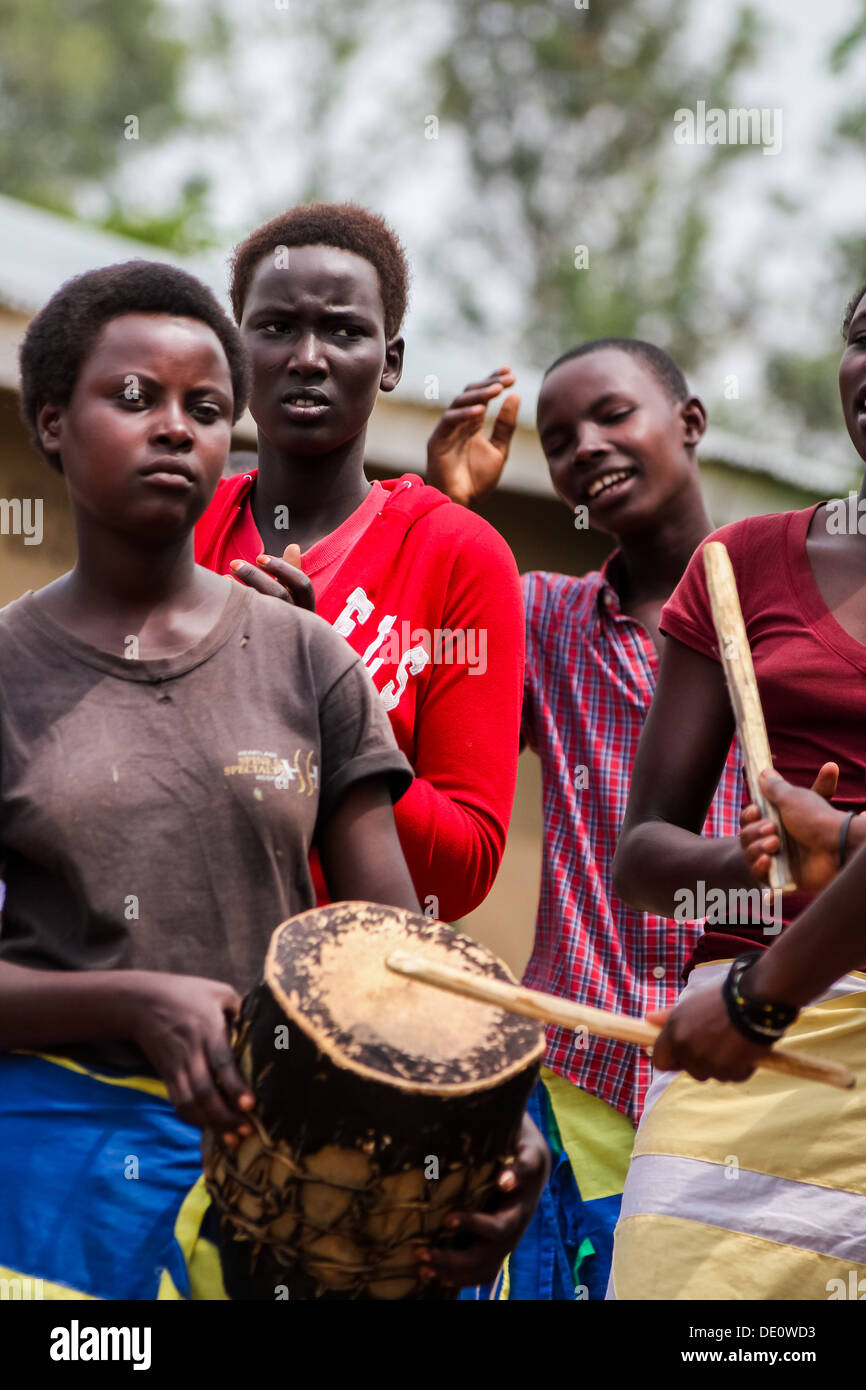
{"x":619,"y":429}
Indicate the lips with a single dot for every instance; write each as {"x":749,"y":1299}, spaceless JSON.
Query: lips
{"x":305,"y":406}
{"x":168,"y":472}
{"x":168,"y":465}
{"x":310,"y":396}
{"x":608,"y":483}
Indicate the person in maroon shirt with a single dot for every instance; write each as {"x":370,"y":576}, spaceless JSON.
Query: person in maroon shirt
{"x":802,"y":583}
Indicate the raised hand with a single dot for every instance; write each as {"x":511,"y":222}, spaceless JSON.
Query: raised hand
{"x":279,"y":578}
{"x":461,"y":460}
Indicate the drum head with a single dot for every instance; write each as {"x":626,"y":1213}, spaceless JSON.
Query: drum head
{"x":326,"y":968}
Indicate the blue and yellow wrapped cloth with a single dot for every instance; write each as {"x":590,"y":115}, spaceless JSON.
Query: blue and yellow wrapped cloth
{"x":566,"y":1251}
{"x":755,"y":1190}
{"x":95,"y":1169}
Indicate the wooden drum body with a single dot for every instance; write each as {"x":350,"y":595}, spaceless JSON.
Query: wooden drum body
{"x":382,"y":1106}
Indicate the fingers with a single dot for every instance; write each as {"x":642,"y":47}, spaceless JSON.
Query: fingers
{"x":717,"y":1059}
{"x":482,"y":392}
{"x":208,"y":1089}
{"x":281,"y":579}
{"x":289,"y":574}
{"x":663,"y":1052}
{"x":478,"y":1264}
{"x":195,"y":1097}
{"x":224,"y":1070}
{"x":505,"y":424}
{"x":457,"y":425}
{"x":492,"y":1235}
{"x":773,"y":786}
{"x":759,"y":841}
{"x":254,"y":578}
{"x":659,"y":1016}
{"x":466,"y":412}
{"x":827,"y":780}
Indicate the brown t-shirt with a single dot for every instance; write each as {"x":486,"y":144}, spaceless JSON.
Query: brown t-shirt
{"x":159,"y":815}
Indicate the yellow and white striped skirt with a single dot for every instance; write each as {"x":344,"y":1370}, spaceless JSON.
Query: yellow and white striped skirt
{"x":754,"y":1190}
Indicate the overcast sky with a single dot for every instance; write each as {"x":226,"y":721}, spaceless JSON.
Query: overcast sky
{"x":257,"y":165}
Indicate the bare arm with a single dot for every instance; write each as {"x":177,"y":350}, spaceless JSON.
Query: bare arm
{"x":52,"y":1008}
{"x":360,"y":852}
{"x":825,"y":942}
{"x":178,"y":1021}
{"x":680,"y":759}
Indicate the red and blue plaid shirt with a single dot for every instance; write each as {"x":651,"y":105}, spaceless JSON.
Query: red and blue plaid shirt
{"x":590,"y":675}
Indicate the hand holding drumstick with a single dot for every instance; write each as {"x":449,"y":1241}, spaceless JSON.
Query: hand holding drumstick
{"x":813,"y":827}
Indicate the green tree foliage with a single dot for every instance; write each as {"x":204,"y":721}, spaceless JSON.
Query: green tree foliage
{"x":807,"y":385}
{"x":569,"y":114}
{"x":71,"y":72}
{"x":186,"y":227}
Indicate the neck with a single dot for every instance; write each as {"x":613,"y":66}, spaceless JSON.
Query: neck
{"x":654,"y":561}
{"x":320,"y":491}
{"x":116,"y":574}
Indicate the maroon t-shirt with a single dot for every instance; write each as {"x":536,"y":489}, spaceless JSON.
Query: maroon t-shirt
{"x":811,"y":673}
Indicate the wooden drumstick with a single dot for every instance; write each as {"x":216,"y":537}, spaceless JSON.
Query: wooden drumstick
{"x":736,"y":658}
{"x":550,"y":1009}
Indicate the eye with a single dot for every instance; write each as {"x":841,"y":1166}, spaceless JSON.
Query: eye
{"x":552,"y":447}
{"x":614,"y":416}
{"x":350,"y":330}
{"x":207,"y":411}
{"x":132,"y":398}
{"x":272,"y":329}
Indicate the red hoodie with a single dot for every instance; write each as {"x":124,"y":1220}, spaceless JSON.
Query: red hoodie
{"x":430,"y":597}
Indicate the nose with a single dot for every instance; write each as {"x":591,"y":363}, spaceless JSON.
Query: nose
{"x":171,"y":427}
{"x":591,"y":443}
{"x":306,"y":356}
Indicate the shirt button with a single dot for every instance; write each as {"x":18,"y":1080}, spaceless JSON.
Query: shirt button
{"x":659,"y":972}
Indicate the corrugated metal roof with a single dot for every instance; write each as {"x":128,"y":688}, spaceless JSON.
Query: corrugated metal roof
{"x":39,"y":250}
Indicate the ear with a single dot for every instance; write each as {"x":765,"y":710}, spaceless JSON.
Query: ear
{"x":693,"y":414}
{"x":49,"y":428}
{"x":393,"y":364}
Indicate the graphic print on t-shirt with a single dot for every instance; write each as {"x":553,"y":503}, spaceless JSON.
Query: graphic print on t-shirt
{"x":300,"y":772}
{"x":410,"y":662}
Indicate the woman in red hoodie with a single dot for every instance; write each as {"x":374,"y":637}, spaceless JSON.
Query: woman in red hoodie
{"x":426,"y":592}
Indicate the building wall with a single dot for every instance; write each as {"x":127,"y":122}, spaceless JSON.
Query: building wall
{"x":23,"y":474}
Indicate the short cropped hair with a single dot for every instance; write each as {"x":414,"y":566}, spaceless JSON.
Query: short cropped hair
{"x":851,"y":309}
{"x":343,"y":225}
{"x":662,"y":366}
{"x":60,"y":337}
